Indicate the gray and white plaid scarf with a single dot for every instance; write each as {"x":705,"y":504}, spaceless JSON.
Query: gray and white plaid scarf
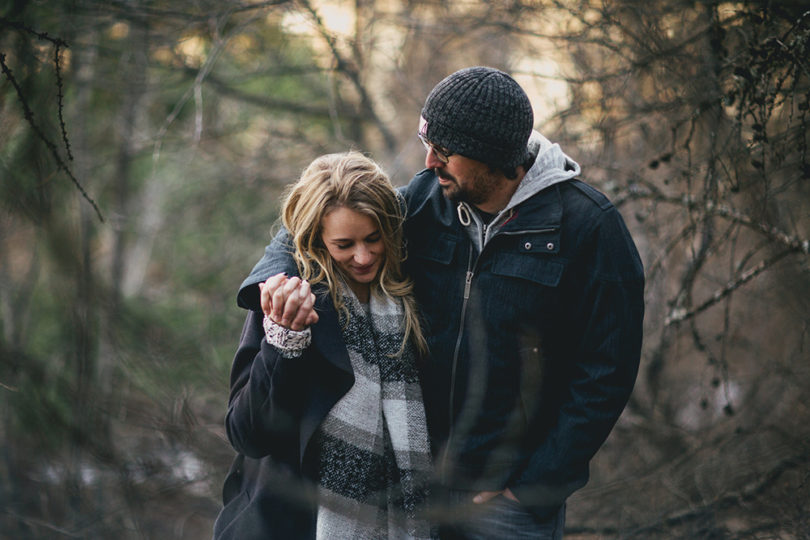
{"x":375,"y":462}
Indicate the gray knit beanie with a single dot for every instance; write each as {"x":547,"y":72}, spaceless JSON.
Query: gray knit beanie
{"x":480,"y":113}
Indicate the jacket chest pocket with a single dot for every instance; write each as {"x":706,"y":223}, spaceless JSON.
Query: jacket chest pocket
{"x":526,"y":280}
{"x":532,"y":257}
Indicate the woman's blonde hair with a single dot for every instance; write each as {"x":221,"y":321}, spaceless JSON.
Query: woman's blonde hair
{"x":353,"y":181}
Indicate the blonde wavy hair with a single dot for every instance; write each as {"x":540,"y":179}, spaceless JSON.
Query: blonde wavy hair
{"x":353,"y":181}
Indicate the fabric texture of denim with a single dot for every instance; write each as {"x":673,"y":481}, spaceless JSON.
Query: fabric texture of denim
{"x":498,"y":518}
{"x":535,"y":341}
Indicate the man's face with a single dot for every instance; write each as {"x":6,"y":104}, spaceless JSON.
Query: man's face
{"x":463,"y":179}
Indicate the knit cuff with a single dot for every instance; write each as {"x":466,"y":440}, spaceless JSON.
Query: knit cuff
{"x":289,"y":343}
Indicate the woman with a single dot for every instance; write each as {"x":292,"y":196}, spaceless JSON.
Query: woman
{"x":328,"y":420}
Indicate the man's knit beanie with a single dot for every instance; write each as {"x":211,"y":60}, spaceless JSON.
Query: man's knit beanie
{"x":480,"y":113}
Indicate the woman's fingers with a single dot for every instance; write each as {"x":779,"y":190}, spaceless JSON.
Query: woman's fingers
{"x":302,"y":317}
{"x":280,"y":296}
{"x":268,"y":289}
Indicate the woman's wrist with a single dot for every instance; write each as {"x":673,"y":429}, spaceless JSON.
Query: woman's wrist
{"x":289,"y":343}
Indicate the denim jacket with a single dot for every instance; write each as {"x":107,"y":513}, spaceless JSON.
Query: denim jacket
{"x":535,"y":336}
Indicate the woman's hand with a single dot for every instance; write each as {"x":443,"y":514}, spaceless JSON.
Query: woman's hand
{"x":288,"y":302}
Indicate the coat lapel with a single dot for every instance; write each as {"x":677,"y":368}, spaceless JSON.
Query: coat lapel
{"x":329,"y":385}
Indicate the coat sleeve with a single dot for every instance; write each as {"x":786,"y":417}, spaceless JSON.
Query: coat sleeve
{"x":266,"y":395}
{"x":601,"y":355}
{"x":277,"y":258}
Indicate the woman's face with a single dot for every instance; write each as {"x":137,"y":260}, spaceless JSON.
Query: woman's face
{"x":355,"y":243}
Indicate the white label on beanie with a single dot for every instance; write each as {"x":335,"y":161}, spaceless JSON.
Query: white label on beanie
{"x":423,"y":124}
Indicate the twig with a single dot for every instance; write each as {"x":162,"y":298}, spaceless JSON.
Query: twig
{"x":40,"y":523}
{"x":351,"y":71}
{"x":201,"y":75}
{"x":680,"y":315}
{"x":127,"y":10}
{"x":41,"y":35}
{"x":795,"y":243}
{"x":60,"y":96}
{"x":9,"y":388}
{"x":29,"y":117}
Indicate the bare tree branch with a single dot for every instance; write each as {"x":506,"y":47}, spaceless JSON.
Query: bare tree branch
{"x":679,"y":315}
{"x":345,"y":66}
{"x":795,"y":244}
{"x":268,"y":102}
{"x":29,"y":117}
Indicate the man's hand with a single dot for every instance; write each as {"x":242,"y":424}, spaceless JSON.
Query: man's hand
{"x":288,"y":302}
{"x":484,"y":496}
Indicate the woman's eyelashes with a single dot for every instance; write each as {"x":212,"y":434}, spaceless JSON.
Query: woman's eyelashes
{"x":373,"y":239}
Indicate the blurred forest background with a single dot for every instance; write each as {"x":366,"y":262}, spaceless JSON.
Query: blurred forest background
{"x":143,"y":146}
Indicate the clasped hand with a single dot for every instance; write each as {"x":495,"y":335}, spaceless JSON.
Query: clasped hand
{"x":288,"y":302}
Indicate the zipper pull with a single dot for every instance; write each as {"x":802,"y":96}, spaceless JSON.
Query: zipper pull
{"x":467,"y":283}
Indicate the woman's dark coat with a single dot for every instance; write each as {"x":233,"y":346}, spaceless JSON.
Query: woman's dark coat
{"x":275,"y":407}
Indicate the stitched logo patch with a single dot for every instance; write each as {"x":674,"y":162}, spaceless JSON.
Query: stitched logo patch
{"x":423,"y":125}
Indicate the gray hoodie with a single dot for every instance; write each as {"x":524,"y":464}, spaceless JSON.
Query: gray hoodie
{"x":551,"y":166}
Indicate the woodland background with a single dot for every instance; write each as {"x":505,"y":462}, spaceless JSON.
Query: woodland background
{"x":143,"y":146}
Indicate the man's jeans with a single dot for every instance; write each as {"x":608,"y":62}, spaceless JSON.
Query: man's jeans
{"x":498,"y":518}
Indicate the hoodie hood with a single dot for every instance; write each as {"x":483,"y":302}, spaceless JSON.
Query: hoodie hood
{"x":551,"y":166}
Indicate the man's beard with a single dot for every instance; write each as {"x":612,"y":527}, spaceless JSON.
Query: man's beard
{"x":452,"y":191}
{"x":476,"y":191}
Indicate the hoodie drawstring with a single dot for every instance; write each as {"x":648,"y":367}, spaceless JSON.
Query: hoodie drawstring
{"x":463,"y":214}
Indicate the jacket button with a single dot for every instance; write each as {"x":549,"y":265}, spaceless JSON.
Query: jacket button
{"x":527,"y":246}
{"x":550,"y":246}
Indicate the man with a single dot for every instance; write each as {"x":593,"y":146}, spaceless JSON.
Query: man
{"x":532,"y":295}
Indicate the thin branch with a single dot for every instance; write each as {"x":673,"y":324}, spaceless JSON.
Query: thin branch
{"x":680,"y":315}
{"x":794,"y":243}
{"x":350,"y":70}
{"x":126,"y":10}
{"x":225,"y":89}
{"x":39,"y":523}
{"x":41,"y":35}
{"x":60,"y":96}
{"x":29,"y":117}
{"x":198,"y":80}
{"x":9,"y":388}
{"x":658,"y":261}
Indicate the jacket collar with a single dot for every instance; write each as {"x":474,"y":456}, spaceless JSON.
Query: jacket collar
{"x":425,"y":196}
{"x":541,"y":211}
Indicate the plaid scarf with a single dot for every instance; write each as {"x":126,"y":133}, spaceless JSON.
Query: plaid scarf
{"x":374,"y":462}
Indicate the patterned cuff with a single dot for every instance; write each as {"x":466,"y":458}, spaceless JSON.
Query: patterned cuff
{"x":289,"y":343}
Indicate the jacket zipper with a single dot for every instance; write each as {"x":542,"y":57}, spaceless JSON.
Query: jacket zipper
{"x":471,"y":267}
{"x":451,"y":417}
